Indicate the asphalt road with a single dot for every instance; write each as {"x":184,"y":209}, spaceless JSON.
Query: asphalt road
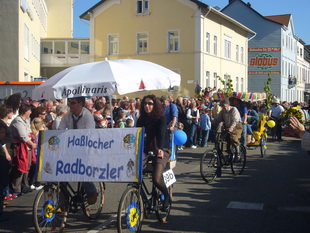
{"x":273,"y":195}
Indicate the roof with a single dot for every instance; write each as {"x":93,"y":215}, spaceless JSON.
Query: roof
{"x":250,"y":7}
{"x":282,"y":19}
{"x":86,"y":16}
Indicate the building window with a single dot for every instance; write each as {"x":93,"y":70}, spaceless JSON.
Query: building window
{"x":300,"y":52}
{"x":215,"y":45}
{"x":73,"y":47}
{"x":226,"y":78}
{"x":35,"y":48}
{"x":142,"y":43}
{"x":208,"y":42}
{"x":47,"y":47}
{"x":174,"y":89}
{"x":286,"y":44}
{"x":227,"y":49}
{"x":241,"y":55}
{"x":60,"y":47}
{"x":113,"y":45}
{"x":26,"y":42}
{"x":173,"y":41}
{"x":297,"y":50}
{"x":142,"y":6}
{"x":215,"y":80}
{"x":237,"y":53}
{"x":237,"y":84}
{"x":241,"y":85}
{"x":207,"y":78}
{"x":85,"y":47}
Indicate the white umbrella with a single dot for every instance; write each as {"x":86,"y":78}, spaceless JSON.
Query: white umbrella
{"x":105,"y":77}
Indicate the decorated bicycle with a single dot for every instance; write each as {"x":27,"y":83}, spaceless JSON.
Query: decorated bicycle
{"x":77,"y":156}
{"x":257,"y":130}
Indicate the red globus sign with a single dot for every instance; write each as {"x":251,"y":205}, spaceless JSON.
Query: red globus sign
{"x":264,"y":61}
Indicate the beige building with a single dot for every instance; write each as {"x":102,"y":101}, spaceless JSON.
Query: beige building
{"x":302,"y":72}
{"x":23,"y":24}
{"x":186,"y":36}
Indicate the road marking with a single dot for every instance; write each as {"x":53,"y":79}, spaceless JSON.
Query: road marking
{"x":245,"y":205}
{"x":103,"y":225}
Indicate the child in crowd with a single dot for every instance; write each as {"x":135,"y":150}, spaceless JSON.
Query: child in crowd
{"x":205,"y":124}
{"x":180,"y":126}
{"x":121,"y":122}
{"x":36,"y":125}
{"x":129,"y":123}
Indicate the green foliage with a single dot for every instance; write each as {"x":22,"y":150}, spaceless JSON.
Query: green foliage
{"x":267,"y":90}
{"x":228,"y":86}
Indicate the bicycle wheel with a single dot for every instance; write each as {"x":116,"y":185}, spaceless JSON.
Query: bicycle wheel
{"x":130,"y":211}
{"x":162,"y":216}
{"x":263,"y":145}
{"x":209,"y":165}
{"x":238,"y":163}
{"x":50,"y":210}
{"x":93,"y":211}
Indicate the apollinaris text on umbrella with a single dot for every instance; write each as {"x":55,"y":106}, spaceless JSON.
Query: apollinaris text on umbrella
{"x":84,"y":90}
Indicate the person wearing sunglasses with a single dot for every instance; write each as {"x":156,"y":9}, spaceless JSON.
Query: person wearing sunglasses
{"x":40,"y":112}
{"x":152,"y":117}
{"x":80,"y":118}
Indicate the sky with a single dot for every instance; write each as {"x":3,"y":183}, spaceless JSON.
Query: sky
{"x":298,"y":8}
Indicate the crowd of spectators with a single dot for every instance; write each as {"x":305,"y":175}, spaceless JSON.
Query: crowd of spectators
{"x":22,"y":119}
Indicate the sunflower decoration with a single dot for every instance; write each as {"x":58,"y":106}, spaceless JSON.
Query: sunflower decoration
{"x":292,"y":111}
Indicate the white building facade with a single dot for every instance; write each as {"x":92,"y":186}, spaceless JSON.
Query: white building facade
{"x":273,"y":52}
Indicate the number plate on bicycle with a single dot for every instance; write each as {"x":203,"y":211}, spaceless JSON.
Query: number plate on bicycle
{"x":169,"y":178}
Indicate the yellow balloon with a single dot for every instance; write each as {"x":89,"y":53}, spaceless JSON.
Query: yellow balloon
{"x":271,"y":123}
{"x":256,"y":135}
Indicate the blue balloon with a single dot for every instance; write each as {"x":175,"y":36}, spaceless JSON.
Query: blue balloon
{"x":180,"y":137}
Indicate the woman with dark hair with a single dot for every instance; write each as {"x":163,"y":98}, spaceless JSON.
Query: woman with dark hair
{"x":40,"y":112}
{"x":101,"y":122}
{"x":6,"y":113}
{"x":4,"y":171}
{"x":152,"y":117}
{"x":24,"y":150}
{"x":14,"y":101}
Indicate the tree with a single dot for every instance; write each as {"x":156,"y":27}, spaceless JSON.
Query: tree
{"x":228,"y":86}
{"x":267,"y":90}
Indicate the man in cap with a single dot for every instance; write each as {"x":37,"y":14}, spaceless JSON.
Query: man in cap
{"x":244,"y":118}
{"x":230,"y":116}
{"x":276,"y":114}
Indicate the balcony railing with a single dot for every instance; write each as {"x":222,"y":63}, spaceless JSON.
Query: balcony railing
{"x":64,"y":52}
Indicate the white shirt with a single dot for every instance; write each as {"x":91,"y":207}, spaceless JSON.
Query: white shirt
{"x":86,"y":121}
{"x":276,"y":111}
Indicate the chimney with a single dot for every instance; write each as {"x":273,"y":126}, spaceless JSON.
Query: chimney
{"x":249,"y":4}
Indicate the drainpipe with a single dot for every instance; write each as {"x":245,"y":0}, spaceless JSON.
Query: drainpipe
{"x":203,"y":24}
{"x":248,"y":59}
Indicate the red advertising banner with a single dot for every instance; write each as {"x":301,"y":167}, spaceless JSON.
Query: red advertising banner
{"x":263,"y":72}
{"x":266,"y":49}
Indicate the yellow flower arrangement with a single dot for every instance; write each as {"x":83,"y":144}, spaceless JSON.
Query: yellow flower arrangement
{"x":292,"y":111}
